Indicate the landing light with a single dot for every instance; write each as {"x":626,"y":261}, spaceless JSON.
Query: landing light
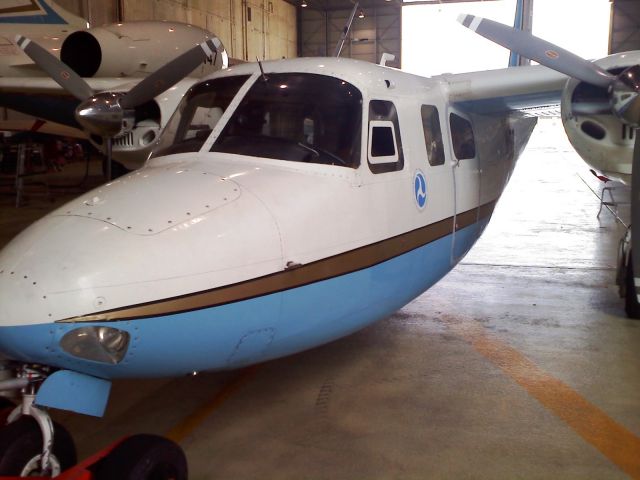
{"x":99,"y":344}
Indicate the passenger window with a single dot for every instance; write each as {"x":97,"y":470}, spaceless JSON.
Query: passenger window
{"x":385,"y":145}
{"x":432,"y":135}
{"x":464,"y":145}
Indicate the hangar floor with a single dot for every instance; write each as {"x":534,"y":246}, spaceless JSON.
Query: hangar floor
{"x":519,"y":364}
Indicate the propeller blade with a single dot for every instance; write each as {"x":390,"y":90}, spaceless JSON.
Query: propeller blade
{"x":170,"y":74}
{"x":635,"y":214}
{"x":57,"y":70}
{"x":541,"y":51}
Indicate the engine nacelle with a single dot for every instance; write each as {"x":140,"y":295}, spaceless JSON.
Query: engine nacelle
{"x":600,"y":138}
{"x":133,"y":148}
{"x":134,"y":49}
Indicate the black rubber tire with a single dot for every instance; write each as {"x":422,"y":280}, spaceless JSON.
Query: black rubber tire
{"x":20,"y":441}
{"x":143,"y":457}
{"x":631,"y":305}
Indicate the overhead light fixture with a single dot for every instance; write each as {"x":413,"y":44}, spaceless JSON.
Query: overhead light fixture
{"x":304,"y":4}
{"x":361,"y":14}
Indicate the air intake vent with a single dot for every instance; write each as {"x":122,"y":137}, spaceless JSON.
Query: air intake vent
{"x":593,"y":130}
{"x":627,"y":132}
{"x":124,"y":141}
{"x":82,"y":52}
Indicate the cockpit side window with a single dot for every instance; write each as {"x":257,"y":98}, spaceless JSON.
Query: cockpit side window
{"x":385,"y":145}
{"x":432,"y":135}
{"x":197,"y":114}
{"x":299,"y":117}
{"x":464,"y":144}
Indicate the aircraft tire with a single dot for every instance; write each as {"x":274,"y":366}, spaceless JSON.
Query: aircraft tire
{"x":631,"y":305}
{"x":21,"y":446}
{"x":144,"y":457}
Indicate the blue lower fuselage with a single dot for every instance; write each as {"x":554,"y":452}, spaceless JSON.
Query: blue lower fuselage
{"x":256,"y":329}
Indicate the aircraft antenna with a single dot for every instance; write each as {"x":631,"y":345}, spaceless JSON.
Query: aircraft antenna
{"x":264,"y":76}
{"x":345,"y":30}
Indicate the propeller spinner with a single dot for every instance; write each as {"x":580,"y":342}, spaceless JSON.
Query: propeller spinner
{"x":110,"y":114}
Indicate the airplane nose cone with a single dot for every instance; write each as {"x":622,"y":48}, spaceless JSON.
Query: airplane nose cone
{"x":158,"y":233}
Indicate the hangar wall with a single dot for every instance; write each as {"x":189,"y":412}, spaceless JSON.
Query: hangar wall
{"x":625,"y":26}
{"x":97,"y":12}
{"x":377,"y":33}
{"x":252,"y":28}
{"x":248,"y":28}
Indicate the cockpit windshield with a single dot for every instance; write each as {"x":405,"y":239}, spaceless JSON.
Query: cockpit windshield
{"x":197,"y":114}
{"x":299,"y":117}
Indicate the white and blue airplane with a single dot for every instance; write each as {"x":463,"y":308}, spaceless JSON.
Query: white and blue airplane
{"x":285,"y":205}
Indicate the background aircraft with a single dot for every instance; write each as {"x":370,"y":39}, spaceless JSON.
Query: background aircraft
{"x":95,"y":54}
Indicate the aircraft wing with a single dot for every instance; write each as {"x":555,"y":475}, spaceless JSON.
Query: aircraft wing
{"x":531,"y":89}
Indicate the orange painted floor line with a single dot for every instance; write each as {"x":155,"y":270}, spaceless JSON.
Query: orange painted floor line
{"x":613,"y":440}
{"x":193,"y":421}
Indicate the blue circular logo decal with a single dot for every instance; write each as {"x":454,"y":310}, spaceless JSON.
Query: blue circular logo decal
{"x":420,"y":189}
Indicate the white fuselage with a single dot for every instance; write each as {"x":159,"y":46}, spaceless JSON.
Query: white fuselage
{"x":213,"y":260}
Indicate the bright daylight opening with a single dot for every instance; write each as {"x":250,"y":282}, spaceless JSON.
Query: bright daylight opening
{"x":433,"y":42}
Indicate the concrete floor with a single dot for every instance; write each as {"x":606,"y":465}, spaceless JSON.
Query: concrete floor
{"x":519,"y":364}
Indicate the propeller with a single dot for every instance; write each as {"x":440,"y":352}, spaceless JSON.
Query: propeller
{"x":623,"y":91}
{"x":110,"y":114}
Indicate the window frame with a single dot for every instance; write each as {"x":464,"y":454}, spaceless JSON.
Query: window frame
{"x":382,"y":159}
{"x":436,"y":134}
{"x":376,"y":165}
{"x":456,"y":145}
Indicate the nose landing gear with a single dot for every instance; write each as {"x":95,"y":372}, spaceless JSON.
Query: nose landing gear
{"x":31,"y":444}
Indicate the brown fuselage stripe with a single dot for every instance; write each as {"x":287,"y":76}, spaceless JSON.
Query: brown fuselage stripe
{"x":341,"y":264}
{"x":21,"y":8}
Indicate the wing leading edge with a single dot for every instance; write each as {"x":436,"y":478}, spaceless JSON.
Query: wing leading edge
{"x":530,"y":89}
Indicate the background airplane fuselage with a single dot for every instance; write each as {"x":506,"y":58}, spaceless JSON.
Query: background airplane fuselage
{"x":216,"y":260}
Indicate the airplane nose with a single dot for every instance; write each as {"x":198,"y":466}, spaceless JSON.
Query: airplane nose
{"x":158,"y":233}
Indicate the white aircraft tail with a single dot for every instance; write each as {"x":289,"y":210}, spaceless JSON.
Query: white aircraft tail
{"x":37,"y":12}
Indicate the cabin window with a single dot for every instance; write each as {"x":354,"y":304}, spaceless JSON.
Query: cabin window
{"x":464,"y":146}
{"x":197,"y":114}
{"x":299,"y":117}
{"x":432,"y":135}
{"x":382,"y":138}
{"x":385,"y":146}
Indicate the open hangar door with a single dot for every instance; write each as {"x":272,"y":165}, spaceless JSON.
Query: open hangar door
{"x":377,"y":27}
